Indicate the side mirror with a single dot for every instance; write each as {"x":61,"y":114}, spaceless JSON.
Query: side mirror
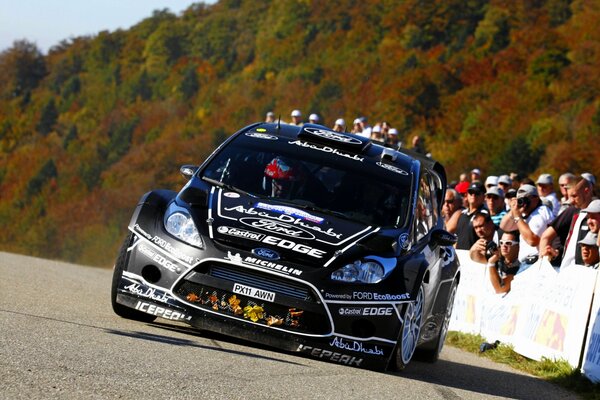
{"x":443,"y":237}
{"x":188,"y":171}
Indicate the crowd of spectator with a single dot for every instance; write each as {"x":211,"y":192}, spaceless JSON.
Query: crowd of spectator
{"x":506,"y":221}
{"x":381,"y":131}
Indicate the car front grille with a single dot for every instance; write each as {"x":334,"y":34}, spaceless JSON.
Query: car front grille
{"x":295,"y":307}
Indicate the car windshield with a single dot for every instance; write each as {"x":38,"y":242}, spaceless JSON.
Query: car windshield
{"x":313,"y":180}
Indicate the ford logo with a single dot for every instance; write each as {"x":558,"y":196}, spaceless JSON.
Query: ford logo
{"x":266,"y":253}
{"x":332,"y":136}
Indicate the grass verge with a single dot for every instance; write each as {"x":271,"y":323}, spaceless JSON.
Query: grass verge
{"x":557,"y":372}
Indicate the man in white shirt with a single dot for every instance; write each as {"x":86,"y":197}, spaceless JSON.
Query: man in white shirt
{"x":530,"y":217}
{"x":545,"y":187}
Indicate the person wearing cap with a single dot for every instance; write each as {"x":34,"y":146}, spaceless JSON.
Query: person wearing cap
{"x":475,"y":174}
{"x":356,"y":127}
{"x":313,"y":119}
{"x":505,"y":183}
{"x":530,"y":217}
{"x":270,"y":117}
{"x":376,"y":133}
{"x":589,"y":250}
{"x":563,"y":182}
{"x":504,"y":263}
{"x":296,"y":118}
{"x":461,"y":224}
{"x":491,"y":180}
{"x":556,"y":243}
{"x":494,"y":200}
{"x":545,"y":187}
{"x":392,"y":137}
{"x":486,"y":232}
{"x":366,"y":128}
{"x":340,"y":125}
{"x":453,"y":202}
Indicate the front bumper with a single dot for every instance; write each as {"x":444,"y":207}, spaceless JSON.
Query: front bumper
{"x":268,"y":304}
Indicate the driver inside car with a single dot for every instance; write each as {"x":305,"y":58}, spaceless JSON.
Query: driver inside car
{"x":283,"y":178}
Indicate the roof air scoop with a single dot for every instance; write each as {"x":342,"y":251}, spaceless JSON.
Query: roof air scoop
{"x":388,"y":155}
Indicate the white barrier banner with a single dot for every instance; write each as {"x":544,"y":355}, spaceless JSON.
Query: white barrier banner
{"x":466,"y":315}
{"x":556,"y":317}
{"x":591,"y":360}
{"x":544,"y":314}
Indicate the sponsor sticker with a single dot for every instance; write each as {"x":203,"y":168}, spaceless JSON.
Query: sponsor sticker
{"x":148,"y":292}
{"x":353,"y":345}
{"x":297,"y":247}
{"x":284,"y":218}
{"x":253,"y":292}
{"x":290,"y":211}
{"x":379,"y":296}
{"x":266,"y":253}
{"x":260,"y":135}
{"x":159,"y":259}
{"x":240,"y":233}
{"x":162,"y":312}
{"x":366,"y":311}
{"x":392,"y":168}
{"x":272,"y":226}
{"x":330,"y":355}
{"x":326,"y":149}
{"x":331,"y":135}
{"x":171,"y":249}
{"x":273,"y":266}
{"x":232,"y":195}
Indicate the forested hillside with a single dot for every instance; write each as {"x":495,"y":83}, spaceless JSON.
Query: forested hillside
{"x":88,"y":128}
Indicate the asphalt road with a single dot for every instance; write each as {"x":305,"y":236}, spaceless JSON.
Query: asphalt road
{"x":60,"y":339}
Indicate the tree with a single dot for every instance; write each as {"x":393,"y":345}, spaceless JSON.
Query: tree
{"x":22,"y":67}
{"x":48,"y":118}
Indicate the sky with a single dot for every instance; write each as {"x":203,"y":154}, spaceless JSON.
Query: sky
{"x":47,"y":22}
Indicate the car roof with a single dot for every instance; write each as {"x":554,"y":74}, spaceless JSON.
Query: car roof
{"x":373,"y":150}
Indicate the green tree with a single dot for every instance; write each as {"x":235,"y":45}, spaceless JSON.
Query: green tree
{"x":47,"y":118}
{"x":189,"y":84}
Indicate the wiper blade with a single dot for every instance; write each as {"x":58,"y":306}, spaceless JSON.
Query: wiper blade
{"x":228,"y":187}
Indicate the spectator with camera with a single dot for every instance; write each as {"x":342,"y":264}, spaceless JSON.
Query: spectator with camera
{"x":488,"y":237}
{"x":503,"y":264}
{"x":530,"y":217}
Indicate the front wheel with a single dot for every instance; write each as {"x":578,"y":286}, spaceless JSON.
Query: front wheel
{"x":409,"y":334}
{"x":120,"y":309}
{"x":432,"y":355}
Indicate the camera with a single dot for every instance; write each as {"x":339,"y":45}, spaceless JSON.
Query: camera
{"x":523,"y":202}
{"x":490,"y":248}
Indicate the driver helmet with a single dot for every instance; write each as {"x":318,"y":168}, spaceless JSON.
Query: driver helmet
{"x":284,"y":176}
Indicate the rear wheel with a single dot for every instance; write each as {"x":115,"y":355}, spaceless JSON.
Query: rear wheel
{"x":119,"y":309}
{"x":409,"y":334}
{"x":432,"y":355}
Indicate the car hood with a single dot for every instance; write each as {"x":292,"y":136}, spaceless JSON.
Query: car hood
{"x":290,"y":232}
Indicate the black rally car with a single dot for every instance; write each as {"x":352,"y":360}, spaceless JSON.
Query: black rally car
{"x":301,"y":238}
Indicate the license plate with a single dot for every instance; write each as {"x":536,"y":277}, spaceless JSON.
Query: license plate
{"x":253,"y":292}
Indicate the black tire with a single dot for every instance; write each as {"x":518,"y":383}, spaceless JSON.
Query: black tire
{"x":433,"y":354}
{"x":119,"y":309}
{"x":409,"y":332}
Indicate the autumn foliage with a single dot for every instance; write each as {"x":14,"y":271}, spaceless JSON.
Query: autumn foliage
{"x":88,"y":128}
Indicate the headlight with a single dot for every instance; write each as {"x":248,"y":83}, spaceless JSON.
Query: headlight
{"x":182,"y":227}
{"x":360,"y":272}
